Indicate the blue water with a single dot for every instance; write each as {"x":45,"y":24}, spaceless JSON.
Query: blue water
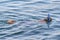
{"x":26,"y":13}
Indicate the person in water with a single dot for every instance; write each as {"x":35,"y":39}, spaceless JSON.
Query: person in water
{"x":46,"y":20}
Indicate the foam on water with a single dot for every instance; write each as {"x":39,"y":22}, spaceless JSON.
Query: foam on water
{"x":26,"y":13}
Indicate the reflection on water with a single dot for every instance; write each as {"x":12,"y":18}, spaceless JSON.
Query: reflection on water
{"x":25,"y":13}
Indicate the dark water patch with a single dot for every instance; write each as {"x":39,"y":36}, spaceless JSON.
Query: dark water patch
{"x":50,"y":9}
{"x":9,"y":28}
{"x":35,"y":17}
{"x":36,"y":32}
{"x":49,"y":39}
{"x":2,"y":28}
{"x":57,"y":13}
{"x":24,"y":20}
{"x":24,"y":15}
{"x":56,"y":26}
{"x":8,"y":12}
{"x":3,"y":21}
{"x":45,"y":34}
{"x":46,"y":29}
{"x":15,"y":34}
{"x":30,"y":16}
{"x":57,"y":9}
{"x":12,"y":15}
{"x":45,"y":11}
{"x":6,"y":28}
{"x":42,"y":30}
{"x":42,"y":2}
{"x":13,"y":26}
{"x":54,"y":16}
{"x":2,"y":38}
{"x":56,"y":37}
{"x":18,"y":10}
{"x":56,"y":1}
{"x":21,"y":32}
{"x":32,"y":33}
{"x":2,"y":34}
{"x":12,"y":6}
{"x":5,"y":2}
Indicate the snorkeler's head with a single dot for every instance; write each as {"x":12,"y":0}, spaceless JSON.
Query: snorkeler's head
{"x":48,"y":19}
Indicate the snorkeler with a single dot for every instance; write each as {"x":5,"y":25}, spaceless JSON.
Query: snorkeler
{"x":47,"y":19}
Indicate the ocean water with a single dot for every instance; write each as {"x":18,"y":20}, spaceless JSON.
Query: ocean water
{"x":26,"y":13}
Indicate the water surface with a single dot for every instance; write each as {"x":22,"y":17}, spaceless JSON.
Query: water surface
{"x":26,"y":13}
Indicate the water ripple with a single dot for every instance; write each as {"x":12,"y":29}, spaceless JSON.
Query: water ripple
{"x":26,"y":14}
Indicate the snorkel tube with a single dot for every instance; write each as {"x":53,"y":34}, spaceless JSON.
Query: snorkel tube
{"x":48,"y":23}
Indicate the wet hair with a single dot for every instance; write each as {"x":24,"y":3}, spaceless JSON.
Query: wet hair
{"x":46,"y":19}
